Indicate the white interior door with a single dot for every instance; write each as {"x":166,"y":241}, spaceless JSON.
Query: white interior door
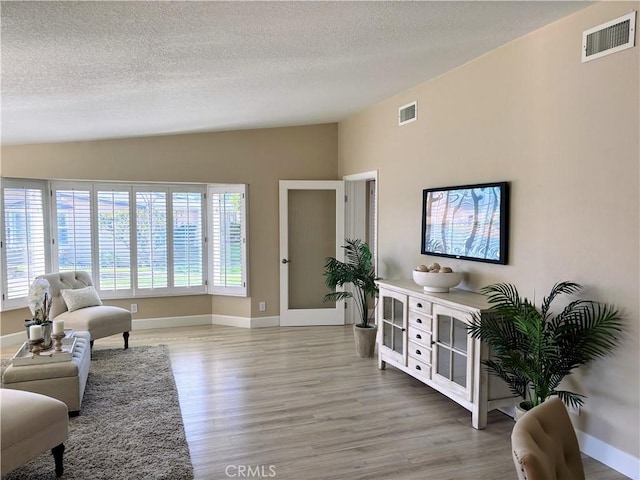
{"x":311,"y":229}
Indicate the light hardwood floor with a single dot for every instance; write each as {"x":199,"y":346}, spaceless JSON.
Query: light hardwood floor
{"x":297,"y":404}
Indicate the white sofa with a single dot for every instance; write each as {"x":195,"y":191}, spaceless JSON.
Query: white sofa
{"x":100,"y":321}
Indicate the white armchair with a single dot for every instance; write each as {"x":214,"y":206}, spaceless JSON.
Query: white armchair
{"x":99,"y":320}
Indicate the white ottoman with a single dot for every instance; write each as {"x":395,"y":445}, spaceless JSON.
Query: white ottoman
{"x":31,"y":424}
{"x":64,"y":381}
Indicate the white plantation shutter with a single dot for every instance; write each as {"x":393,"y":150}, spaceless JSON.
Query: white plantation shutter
{"x":25,"y":238}
{"x":134,"y":239}
{"x":151,"y":240}
{"x":227,"y":240}
{"x":187,"y":214}
{"x":114,"y":239}
{"x":74,"y":241}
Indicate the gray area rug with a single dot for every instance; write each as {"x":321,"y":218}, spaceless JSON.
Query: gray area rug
{"x":130,"y":425}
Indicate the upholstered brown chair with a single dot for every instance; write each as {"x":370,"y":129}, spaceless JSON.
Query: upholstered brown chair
{"x":544,"y":444}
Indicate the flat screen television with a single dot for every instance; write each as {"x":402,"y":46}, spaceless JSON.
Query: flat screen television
{"x":469,"y":222}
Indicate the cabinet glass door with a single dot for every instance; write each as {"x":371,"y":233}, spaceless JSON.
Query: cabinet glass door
{"x":393,"y":324}
{"x":452,"y":348}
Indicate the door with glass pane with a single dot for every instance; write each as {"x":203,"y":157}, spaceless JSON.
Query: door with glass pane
{"x":452,"y":351}
{"x":311,"y":229}
{"x":392,"y":322}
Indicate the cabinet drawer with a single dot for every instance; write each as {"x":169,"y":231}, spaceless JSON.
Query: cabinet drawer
{"x":419,"y":369}
{"x":420,"y":321}
{"x":419,"y":305}
{"x":420,"y":336}
{"x":420,"y":352}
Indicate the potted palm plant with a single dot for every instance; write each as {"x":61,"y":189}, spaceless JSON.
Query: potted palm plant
{"x":357,"y":270}
{"x":533,"y":349}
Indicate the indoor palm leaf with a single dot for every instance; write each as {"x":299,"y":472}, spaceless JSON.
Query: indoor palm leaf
{"x":533,"y":350}
{"x":358,"y":270}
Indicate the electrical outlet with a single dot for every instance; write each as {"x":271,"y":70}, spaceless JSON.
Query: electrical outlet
{"x":134,"y":308}
{"x":262,"y":306}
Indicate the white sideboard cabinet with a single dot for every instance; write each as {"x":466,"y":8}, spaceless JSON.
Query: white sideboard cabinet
{"x":424,"y":334}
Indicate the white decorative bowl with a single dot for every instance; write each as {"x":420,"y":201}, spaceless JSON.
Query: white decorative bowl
{"x":437,"y":282}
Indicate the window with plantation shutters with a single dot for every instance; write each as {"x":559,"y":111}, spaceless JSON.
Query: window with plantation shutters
{"x":134,"y":240}
{"x":227,"y":240}
{"x":114,"y":239}
{"x":73,"y":235}
{"x":24,"y":238}
{"x":187,"y":214}
{"x":151,"y":239}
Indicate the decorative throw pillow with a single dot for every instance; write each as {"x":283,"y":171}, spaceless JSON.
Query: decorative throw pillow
{"x":80,"y":298}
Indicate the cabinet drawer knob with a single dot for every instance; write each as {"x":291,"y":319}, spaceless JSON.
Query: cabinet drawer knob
{"x":419,"y":305}
{"x":419,"y":320}
{"x":418,"y":367}
{"x":418,"y":336}
{"x":418,"y":352}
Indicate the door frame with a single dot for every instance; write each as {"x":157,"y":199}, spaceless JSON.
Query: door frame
{"x":354,"y":211}
{"x":308,"y":317}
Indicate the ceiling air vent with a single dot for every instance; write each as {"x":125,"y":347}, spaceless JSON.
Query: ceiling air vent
{"x":610,"y":37}
{"x":408,"y":113}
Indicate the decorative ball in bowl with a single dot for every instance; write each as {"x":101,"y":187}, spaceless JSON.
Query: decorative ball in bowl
{"x":437,"y":281}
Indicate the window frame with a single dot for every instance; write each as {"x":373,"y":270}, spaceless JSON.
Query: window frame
{"x":54,"y":187}
{"x":202,"y":190}
{"x":152,"y":291}
{"x":123,"y":292}
{"x":21,"y":302}
{"x":240,"y":291}
{"x":51,"y":248}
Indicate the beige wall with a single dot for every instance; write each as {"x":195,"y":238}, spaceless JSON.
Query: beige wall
{"x":566,"y":135}
{"x":257,"y":157}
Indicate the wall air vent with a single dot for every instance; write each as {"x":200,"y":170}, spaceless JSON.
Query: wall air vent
{"x":610,"y":37}
{"x":408,"y":113}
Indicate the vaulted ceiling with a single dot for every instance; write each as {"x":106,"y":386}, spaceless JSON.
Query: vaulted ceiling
{"x":90,"y":70}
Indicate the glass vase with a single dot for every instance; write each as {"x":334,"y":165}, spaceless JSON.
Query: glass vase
{"x":46,"y":333}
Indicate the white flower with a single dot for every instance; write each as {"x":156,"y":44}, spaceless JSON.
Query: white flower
{"x":39,"y":288}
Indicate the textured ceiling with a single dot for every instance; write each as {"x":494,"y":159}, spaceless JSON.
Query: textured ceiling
{"x":90,"y":70}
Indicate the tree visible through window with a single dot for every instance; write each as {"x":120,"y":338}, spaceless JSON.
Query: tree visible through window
{"x":114,"y":239}
{"x":151,"y":227}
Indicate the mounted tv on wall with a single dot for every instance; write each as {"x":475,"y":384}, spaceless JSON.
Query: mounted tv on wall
{"x":469,"y":222}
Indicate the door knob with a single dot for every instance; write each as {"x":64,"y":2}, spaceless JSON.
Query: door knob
{"x":284,"y":260}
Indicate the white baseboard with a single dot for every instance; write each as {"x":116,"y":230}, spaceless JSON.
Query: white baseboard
{"x":620,"y":461}
{"x":262,"y":322}
{"x":15,"y":339}
{"x":246,"y":322}
{"x":168,"y":322}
